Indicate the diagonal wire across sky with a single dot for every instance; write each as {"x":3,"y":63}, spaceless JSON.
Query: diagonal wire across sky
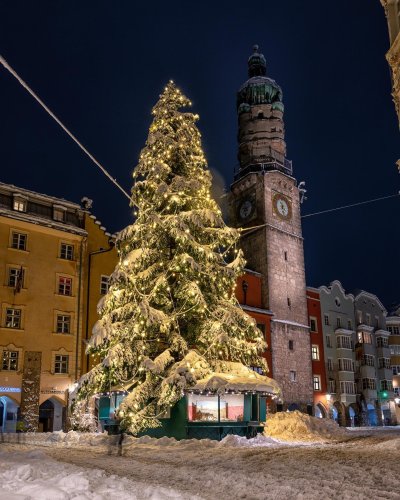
{"x":114,"y":181}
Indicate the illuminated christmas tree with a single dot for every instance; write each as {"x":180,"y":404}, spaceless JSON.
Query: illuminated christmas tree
{"x":170,"y":317}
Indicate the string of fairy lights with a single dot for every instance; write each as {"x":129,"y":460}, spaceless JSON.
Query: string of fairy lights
{"x":156,"y":289}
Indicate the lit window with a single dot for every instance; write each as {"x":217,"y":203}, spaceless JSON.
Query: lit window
{"x":66,"y":251}
{"x":19,"y":205}
{"x":63,"y":323}
{"x":18,"y":241}
{"x":104,"y":284}
{"x":13,"y":318}
{"x":10,"y":360}
{"x":15,"y":277}
{"x":205,"y":408}
{"x":364,"y":338}
{"x":61,"y":364}
{"x":315,"y":352}
{"x":64,"y":285}
{"x":317,"y":382}
{"x":292,"y":376}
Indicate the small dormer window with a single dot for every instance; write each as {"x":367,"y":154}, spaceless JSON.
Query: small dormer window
{"x":19,"y":204}
{"x":59,"y":213}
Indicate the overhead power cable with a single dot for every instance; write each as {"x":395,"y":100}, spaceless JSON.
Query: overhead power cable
{"x":37,"y":98}
{"x":330,"y":210}
{"x":352,"y":205}
{"x":114,"y":181}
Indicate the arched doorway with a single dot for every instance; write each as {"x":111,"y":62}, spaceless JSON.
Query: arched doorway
{"x":51,"y":415}
{"x":8,"y":414}
{"x":372,"y":417}
{"x":320,"y":411}
{"x":353,"y":415}
{"x":46,"y":416}
{"x":340,"y":416}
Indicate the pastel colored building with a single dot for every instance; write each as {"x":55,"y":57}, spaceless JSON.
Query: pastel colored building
{"x":45,"y":245}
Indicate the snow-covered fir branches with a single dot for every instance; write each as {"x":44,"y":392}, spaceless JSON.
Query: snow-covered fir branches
{"x":170,"y":315}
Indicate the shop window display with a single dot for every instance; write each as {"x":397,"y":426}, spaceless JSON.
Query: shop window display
{"x":203,"y":408}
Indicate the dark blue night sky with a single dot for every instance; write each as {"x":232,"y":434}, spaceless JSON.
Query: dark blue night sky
{"x":100,"y":66}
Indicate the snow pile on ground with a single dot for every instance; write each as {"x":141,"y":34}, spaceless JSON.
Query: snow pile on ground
{"x":297,"y":426}
{"x":33,"y":475}
{"x":234,"y":441}
{"x":392,"y":445}
{"x":69,"y":439}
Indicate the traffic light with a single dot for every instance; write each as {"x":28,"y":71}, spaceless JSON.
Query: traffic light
{"x":384,"y":394}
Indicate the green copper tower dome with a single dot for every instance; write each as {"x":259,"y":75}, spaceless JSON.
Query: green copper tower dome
{"x":258,"y":89}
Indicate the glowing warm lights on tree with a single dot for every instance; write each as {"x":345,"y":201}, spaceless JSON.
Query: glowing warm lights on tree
{"x":170,"y":314}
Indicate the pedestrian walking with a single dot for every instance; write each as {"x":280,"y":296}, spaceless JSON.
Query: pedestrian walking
{"x":120,"y":441}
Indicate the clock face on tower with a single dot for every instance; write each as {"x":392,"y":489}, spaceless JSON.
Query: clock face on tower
{"x":246,"y":208}
{"x":282,"y":206}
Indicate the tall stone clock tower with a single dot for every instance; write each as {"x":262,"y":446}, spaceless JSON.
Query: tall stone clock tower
{"x":265,"y":202}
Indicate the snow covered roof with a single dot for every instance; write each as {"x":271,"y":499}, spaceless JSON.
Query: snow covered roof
{"x":12,"y":189}
{"x":42,"y":221}
{"x":236,"y":377}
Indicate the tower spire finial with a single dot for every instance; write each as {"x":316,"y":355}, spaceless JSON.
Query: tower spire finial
{"x":257,"y":63}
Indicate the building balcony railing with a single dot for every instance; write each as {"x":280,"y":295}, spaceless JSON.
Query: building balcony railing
{"x":266,"y":165}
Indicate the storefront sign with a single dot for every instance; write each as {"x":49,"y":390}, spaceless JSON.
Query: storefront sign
{"x":10,"y":389}
{"x":52,"y":391}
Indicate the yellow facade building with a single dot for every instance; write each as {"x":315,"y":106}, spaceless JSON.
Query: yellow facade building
{"x":48,"y":301}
